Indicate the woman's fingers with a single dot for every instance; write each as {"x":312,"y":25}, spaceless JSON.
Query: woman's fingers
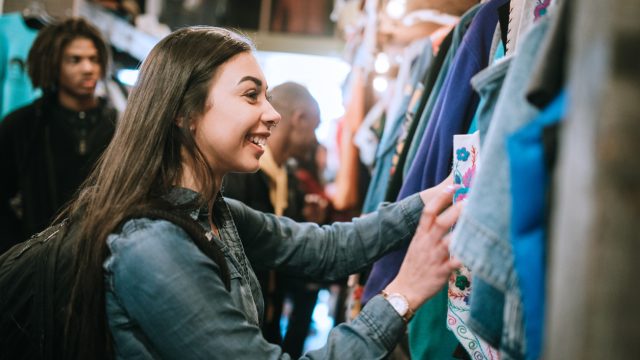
{"x":454,"y":263}
{"x":440,"y":201}
{"x":428,"y":261}
{"x":443,"y":223}
{"x":435,"y":207}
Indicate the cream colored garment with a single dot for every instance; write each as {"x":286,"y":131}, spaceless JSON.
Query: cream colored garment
{"x":522,"y":14}
{"x":278,"y":186}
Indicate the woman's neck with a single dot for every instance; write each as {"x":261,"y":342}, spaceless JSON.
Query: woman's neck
{"x":188,"y":181}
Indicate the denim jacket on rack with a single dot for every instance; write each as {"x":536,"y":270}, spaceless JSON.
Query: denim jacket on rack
{"x":481,"y":237}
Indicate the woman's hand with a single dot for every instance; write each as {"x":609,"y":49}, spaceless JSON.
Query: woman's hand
{"x":427,"y":195}
{"x":427,"y":265}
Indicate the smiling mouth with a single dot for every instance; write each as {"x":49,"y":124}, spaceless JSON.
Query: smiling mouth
{"x":260,"y":141}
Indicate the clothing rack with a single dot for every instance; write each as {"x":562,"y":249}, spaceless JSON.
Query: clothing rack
{"x":120,"y":33}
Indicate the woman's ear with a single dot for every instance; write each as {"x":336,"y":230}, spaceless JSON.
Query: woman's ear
{"x":181,"y":122}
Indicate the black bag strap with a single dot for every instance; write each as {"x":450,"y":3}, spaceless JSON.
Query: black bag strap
{"x":197,"y":234}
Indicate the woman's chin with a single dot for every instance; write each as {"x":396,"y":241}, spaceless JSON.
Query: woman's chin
{"x":248,"y":169}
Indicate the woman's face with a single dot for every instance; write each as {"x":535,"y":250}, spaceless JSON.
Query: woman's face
{"x":238,"y":118}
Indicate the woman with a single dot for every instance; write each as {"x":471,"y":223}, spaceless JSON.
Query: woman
{"x":198,"y":111}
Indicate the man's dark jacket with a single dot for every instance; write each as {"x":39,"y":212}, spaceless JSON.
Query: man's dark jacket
{"x":46,"y":152}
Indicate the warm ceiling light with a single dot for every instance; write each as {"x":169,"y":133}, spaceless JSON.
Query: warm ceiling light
{"x":396,"y":8}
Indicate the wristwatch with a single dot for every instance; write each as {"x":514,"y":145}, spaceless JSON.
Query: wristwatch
{"x":399,"y":304}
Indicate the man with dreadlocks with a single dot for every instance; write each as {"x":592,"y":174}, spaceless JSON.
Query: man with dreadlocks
{"x":47,"y":148}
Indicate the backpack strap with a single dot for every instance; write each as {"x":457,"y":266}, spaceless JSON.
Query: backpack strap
{"x":197,"y":234}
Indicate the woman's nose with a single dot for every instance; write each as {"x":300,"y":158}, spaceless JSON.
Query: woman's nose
{"x":271,"y":124}
{"x":271,"y":117}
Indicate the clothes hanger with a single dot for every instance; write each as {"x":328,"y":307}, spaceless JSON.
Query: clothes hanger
{"x":35,"y":15}
{"x":429,"y":15}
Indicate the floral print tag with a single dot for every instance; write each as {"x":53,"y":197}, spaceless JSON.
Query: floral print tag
{"x":465,"y":161}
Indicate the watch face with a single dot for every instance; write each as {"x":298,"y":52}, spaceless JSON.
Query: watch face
{"x":399,"y":304}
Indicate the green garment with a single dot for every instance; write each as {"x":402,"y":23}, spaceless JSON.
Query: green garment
{"x":426,"y":339}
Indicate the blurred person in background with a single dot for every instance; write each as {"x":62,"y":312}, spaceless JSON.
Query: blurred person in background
{"x":48,"y":147}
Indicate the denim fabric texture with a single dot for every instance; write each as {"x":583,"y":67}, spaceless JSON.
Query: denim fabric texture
{"x":487,"y":311}
{"x":486,"y":304}
{"x":485,"y":319}
{"x":487,"y":83}
{"x":481,"y":238}
{"x":165,"y":299}
{"x":529,"y":186}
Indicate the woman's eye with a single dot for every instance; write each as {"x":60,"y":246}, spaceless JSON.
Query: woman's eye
{"x":252,"y":95}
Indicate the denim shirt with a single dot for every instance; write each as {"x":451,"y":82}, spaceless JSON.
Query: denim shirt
{"x":165,"y":298}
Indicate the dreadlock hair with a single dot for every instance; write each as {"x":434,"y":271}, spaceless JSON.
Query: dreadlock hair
{"x":45,"y":57}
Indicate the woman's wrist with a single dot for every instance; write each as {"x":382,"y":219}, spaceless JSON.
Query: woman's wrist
{"x":413,"y":300}
{"x":400,"y":304}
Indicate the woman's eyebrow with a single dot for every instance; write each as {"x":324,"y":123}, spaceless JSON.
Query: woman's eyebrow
{"x":257,"y":81}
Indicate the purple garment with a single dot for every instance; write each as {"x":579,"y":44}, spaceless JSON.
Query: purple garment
{"x":452,"y":115}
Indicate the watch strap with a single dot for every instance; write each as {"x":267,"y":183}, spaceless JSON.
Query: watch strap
{"x":408,"y":314}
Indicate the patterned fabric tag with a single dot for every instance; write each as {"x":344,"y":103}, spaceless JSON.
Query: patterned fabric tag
{"x":465,"y":159}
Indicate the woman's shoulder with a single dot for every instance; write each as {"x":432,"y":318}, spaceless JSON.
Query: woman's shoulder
{"x":145,"y":234}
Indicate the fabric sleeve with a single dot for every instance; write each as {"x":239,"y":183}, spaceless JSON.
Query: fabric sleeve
{"x":173,"y":293}
{"x":327,"y":252}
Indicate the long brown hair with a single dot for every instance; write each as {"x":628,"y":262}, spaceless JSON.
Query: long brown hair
{"x":143,"y":161}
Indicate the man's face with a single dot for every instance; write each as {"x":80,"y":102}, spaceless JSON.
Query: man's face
{"x":80,"y":69}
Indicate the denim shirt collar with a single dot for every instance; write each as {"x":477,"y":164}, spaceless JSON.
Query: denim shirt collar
{"x":189,"y":201}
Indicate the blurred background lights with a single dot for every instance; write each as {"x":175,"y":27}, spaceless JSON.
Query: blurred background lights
{"x":396,"y":8}
{"x":380,"y":84}
{"x":127,"y":76}
{"x":381,"y":63}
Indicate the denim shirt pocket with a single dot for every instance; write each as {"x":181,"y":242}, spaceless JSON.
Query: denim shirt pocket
{"x":240,"y":289}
